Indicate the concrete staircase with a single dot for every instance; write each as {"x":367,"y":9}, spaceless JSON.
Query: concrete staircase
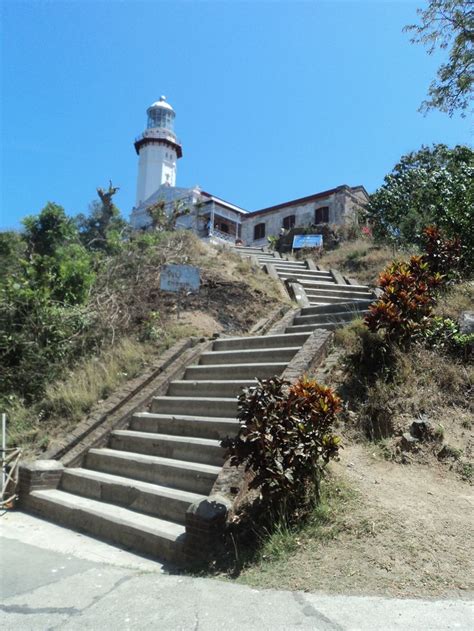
{"x":321,"y":287}
{"x":333,"y":300}
{"x":135,"y":491}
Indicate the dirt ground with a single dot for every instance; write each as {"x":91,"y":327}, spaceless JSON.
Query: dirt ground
{"x":406,"y":533}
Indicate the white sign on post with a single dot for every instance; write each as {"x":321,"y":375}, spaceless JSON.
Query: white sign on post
{"x":180,"y":278}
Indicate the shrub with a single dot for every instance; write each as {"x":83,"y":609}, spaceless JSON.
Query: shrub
{"x":286,"y":439}
{"x":442,"y":255}
{"x":405,"y":306}
{"x":444,"y":334}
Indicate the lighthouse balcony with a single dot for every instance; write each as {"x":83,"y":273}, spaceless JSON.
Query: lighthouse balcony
{"x":158,"y":133}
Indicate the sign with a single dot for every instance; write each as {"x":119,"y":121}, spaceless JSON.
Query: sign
{"x":178,"y":278}
{"x":307,"y":241}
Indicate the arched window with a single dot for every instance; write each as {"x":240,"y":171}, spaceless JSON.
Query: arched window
{"x":259,"y":231}
{"x":289,"y":222}
{"x":321,"y":215}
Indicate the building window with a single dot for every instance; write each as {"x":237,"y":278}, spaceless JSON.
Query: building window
{"x":288,"y":222}
{"x":259,"y":231}
{"x":321,"y":215}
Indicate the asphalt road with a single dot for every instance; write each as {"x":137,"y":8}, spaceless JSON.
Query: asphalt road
{"x":55,"y":580}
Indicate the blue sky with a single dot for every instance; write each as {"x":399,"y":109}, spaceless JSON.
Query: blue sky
{"x":274,"y":100}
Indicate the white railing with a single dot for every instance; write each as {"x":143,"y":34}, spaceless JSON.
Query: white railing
{"x":229,"y":238}
{"x":158,"y":133}
{"x":10,"y":461}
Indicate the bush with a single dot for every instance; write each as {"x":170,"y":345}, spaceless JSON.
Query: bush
{"x":444,"y":334}
{"x":443,"y":255}
{"x":286,"y":439}
{"x":403,"y":310}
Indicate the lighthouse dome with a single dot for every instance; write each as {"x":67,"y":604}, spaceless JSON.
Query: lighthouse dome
{"x":162,"y":103}
{"x":161,"y":114}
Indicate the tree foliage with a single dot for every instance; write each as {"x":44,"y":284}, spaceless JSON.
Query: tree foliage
{"x":103,"y":228}
{"x":161,"y":221}
{"x":448,"y":24}
{"x":434,"y":185}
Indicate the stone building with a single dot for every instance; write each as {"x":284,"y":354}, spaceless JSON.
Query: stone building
{"x":211,"y":217}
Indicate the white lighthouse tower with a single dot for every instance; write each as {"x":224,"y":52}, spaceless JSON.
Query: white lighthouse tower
{"x":158,"y":150}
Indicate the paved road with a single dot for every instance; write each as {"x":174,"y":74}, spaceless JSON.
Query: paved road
{"x":55,"y":580}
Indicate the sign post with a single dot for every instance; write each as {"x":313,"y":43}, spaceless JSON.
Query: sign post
{"x":180,"y":279}
{"x":301,"y":241}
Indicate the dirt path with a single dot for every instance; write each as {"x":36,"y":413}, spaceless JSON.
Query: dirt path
{"x":407,"y":533}
{"x":420,"y":522}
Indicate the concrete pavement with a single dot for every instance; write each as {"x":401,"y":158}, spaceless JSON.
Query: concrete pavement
{"x":53,"y":579}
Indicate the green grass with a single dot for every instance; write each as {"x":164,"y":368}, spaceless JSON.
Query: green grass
{"x":264,"y":564}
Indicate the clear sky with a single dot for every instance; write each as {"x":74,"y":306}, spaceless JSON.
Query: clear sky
{"x":274,"y":100}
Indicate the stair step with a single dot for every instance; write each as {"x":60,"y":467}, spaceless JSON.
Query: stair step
{"x":142,"y":533}
{"x":188,"y":476}
{"x":337,"y":307}
{"x":321,"y":318}
{"x":237,"y":371}
{"x":319,"y":284}
{"x":292,"y":266}
{"x":317,"y":298}
{"x":199,"y":426}
{"x":307,"y":276}
{"x":188,"y":448}
{"x":217,"y":388}
{"x":240,"y":356}
{"x":306,"y":328}
{"x":259,"y":341}
{"x":143,"y":497}
{"x":201,"y":406}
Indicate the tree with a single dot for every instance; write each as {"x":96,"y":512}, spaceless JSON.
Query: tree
{"x":47,"y":231}
{"x":102,"y":229}
{"x":56,"y":262}
{"x":448,"y":24}
{"x":431,"y":186}
{"x":160,"y":220}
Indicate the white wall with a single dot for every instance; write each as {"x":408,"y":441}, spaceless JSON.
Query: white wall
{"x":156,"y":166}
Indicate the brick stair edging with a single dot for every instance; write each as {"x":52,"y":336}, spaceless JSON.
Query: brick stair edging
{"x":207,"y":519}
{"x":267,"y":323}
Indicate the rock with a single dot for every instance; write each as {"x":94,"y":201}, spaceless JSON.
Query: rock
{"x":212,"y":509}
{"x":408,"y":442}
{"x":466,"y":322}
{"x":422,"y":429}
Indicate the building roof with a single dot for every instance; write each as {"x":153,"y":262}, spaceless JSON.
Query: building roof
{"x":309,"y":198}
{"x":222,"y":202}
{"x":162,"y":103}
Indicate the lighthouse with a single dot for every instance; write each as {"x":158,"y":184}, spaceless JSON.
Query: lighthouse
{"x":158,"y":150}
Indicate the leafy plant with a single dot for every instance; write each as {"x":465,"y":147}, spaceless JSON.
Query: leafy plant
{"x":448,"y":24}
{"x":161,"y":220}
{"x":434,"y":185}
{"x":408,"y":296}
{"x":442,"y":254}
{"x":444,"y":334}
{"x":286,"y":439}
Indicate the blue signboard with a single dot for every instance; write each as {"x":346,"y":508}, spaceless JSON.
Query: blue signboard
{"x":307,"y":241}
{"x":179,"y":278}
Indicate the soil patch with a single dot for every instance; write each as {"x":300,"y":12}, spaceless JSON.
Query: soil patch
{"x":405,"y":534}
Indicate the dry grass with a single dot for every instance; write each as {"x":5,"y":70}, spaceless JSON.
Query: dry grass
{"x":360,"y":259}
{"x":91,"y":381}
{"x":459,"y":298}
